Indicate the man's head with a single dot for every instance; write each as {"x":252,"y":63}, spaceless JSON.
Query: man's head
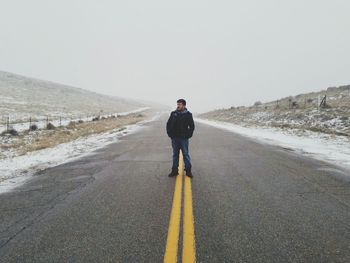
{"x":181,"y":104}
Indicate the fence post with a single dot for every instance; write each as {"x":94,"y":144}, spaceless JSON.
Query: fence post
{"x":323,"y":102}
{"x":47,"y":120}
{"x":8,"y":123}
{"x":30,"y":122}
{"x":60,"y":121}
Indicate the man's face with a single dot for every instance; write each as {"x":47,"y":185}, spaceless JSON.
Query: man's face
{"x":180,"y":106}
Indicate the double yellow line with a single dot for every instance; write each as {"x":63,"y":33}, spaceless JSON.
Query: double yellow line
{"x":188,"y":243}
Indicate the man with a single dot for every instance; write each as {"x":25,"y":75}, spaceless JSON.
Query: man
{"x":180,"y":127}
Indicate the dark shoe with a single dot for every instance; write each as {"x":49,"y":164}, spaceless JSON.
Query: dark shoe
{"x":189,"y":173}
{"x":173,"y":173}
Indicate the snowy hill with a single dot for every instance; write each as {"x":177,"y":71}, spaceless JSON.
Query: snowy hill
{"x":301,"y":112}
{"x":23,"y":97}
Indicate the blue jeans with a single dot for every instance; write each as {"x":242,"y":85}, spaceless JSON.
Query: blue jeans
{"x":177,"y":144}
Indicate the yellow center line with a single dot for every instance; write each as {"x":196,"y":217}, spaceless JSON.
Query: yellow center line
{"x":189,"y":246}
{"x":174,"y":224}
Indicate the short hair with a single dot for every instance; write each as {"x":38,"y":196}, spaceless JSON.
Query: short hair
{"x":181,"y":101}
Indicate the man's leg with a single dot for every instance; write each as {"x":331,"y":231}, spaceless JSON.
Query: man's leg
{"x":176,"y":150}
{"x":186,"y":156}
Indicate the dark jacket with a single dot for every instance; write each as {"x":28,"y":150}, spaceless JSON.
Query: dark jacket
{"x":180,"y":124}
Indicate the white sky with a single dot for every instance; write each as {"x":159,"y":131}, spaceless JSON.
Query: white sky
{"x":212,"y":53}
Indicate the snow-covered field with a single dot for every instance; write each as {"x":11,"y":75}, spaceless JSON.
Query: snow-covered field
{"x":16,"y":170}
{"x":329,"y":148}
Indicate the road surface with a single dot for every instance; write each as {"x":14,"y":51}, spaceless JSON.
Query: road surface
{"x":251,"y":202}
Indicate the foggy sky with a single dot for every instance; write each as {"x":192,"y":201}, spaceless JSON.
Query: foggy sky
{"x":213,"y":53}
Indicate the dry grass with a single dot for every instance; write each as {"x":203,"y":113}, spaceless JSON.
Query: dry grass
{"x":42,"y":139}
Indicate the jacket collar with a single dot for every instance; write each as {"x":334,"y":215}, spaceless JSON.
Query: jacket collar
{"x":182,"y":112}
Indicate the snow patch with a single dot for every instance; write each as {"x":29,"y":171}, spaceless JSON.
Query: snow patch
{"x":329,"y":148}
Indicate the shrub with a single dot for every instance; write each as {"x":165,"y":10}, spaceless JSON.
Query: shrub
{"x":50,"y":126}
{"x":33,"y":127}
{"x":11,"y":131}
{"x":71,"y":125}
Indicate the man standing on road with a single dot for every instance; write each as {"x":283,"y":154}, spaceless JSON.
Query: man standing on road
{"x":180,"y":127}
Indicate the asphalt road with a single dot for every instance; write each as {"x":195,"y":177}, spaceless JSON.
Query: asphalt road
{"x":251,"y":203}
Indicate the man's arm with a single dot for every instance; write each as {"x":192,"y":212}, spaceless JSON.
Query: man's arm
{"x":168,"y":125}
{"x":191,"y":126}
